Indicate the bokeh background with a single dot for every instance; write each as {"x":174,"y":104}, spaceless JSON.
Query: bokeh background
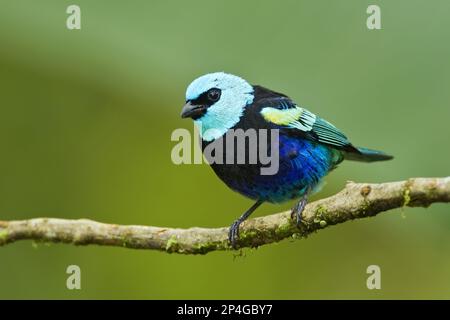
{"x":86,"y":118}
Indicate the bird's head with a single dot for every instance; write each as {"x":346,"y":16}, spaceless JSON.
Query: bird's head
{"x":216,"y":102}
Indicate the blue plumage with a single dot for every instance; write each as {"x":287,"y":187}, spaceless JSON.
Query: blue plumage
{"x":309,"y":147}
{"x":302,"y":164}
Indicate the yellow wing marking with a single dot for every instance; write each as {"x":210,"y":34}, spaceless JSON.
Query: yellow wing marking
{"x":282,"y":117}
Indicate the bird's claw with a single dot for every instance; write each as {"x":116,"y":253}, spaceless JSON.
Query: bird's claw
{"x":297,"y":217}
{"x":233,"y":234}
{"x":297,"y":211}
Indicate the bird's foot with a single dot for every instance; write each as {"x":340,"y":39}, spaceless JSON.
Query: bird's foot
{"x":233,"y":234}
{"x":297,"y":211}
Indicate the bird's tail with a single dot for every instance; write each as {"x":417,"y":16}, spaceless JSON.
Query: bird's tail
{"x":366,"y":155}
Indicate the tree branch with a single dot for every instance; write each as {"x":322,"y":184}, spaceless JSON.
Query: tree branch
{"x":355,"y":201}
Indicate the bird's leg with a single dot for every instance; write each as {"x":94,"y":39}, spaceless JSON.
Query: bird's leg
{"x":233,"y":234}
{"x":297,"y":210}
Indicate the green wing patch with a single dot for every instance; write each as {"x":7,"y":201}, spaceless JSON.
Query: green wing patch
{"x":329,"y":134}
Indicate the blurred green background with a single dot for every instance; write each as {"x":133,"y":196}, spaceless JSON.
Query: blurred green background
{"x":86,"y":118}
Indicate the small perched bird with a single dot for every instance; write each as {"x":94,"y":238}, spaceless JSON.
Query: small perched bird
{"x":308,"y":146}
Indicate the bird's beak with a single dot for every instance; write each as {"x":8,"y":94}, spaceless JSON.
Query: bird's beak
{"x":192,"y":111}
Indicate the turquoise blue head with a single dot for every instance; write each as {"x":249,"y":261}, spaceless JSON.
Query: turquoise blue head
{"x":216,"y":102}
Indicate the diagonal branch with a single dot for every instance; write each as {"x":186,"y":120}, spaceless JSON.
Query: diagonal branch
{"x":355,"y":201}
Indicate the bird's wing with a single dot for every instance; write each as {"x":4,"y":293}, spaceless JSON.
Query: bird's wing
{"x":298,"y":121}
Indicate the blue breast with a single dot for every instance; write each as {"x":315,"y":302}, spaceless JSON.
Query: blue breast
{"x":302,"y":164}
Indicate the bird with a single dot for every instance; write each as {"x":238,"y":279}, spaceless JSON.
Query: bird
{"x":309,"y":147}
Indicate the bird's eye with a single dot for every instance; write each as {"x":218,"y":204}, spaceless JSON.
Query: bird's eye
{"x":214,"y":94}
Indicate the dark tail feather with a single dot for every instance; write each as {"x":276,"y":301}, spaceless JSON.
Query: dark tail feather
{"x":366,"y":155}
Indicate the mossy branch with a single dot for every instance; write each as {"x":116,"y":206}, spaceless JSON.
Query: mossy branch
{"x":355,"y":201}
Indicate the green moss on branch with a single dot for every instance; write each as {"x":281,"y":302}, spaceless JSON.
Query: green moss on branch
{"x":355,"y":201}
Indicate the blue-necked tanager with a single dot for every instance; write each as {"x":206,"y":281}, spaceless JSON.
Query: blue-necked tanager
{"x":308,"y":146}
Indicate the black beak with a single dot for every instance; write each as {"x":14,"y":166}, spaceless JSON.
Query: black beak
{"x":192,"y":111}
